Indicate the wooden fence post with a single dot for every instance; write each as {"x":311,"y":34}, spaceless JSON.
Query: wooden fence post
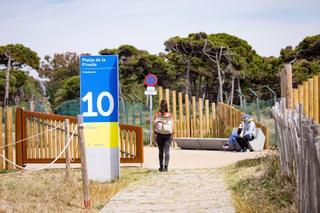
{"x":286,"y":85}
{"x":300,"y":94}
{"x":316,"y":167}
{"x":66,"y":138}
{"x":316,"y":98}
{"x":86,"y":192}
{"x":1,"y":149}
{"x":18,"y":137}
{"x":306,"y":98}
{"x":168,"y":99}
{"x":207,"y":115}
{"x":213,"y":110}
{"x":295,"y":98}
{"x":8,"y":136}
{"x":194,"y":117}
{"x":318,"y":90}
{"x":180,"y":115}
{"x":214,"y":128}
{"x":267,"y":133}
{"x":283,"y":83}
{"x":174,"y":111}
{"x":310,"y":87}
{"x":200,"y":117}
{"x":187,"y":115}
{"x":289,"y":95}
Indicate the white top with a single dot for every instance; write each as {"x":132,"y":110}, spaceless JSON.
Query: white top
{"x":249,"y":128}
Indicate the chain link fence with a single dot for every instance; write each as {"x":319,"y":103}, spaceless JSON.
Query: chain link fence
{"x":261,"y":111}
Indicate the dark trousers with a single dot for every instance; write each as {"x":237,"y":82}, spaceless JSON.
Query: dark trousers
{"x":164,"y":142}
{"x":244,"y":142}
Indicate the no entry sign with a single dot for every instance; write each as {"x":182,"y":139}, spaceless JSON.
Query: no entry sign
{"x":151,"y":80}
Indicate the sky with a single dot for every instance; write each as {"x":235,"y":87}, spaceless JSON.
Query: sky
{"x":87,"y":26}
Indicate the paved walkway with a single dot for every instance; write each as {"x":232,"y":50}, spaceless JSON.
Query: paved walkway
{"x":192,"y":184}
{"x":195,"y":159}
{"x":192,"y":190}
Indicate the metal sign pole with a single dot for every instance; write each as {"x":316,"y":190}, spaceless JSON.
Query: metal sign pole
{"x":150,"y":119}
{"x":150,"y":81}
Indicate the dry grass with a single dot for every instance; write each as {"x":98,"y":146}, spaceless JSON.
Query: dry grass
{"x":258,"y":186}
{"x":48,"y":191}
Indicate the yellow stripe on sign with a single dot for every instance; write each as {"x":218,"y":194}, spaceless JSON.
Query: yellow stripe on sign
{"x":101,"y":134}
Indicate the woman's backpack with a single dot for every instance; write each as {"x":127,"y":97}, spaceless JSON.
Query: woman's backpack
{"x":163,"y":123}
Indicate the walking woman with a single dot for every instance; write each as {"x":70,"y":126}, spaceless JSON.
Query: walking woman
{"x":163,"y":127}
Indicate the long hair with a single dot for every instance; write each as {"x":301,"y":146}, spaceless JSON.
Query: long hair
{"x":163,"y":106}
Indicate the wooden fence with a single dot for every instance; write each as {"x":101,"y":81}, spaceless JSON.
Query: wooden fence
{"x":306,"y":93}
{"x":6,"y":137}
{"x":200,"y":118}
{"x":44,"y":137}
{"x":299,"y":146}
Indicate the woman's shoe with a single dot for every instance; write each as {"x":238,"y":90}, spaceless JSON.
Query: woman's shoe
{"x":165,"y":169}
{"x":161,"y":169}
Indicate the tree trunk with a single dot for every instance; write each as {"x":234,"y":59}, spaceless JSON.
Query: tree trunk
{"x":188,"y":77}
{"x":17,"y":100}
{"x":199,"y":91}
{"x":239,"y":89}
{"x":232,"y":91}
{"x":216,"y":60}
{"x":194,"y":86}
{"x":31,"y":104}
{"x":220,"y":93}
{"x":6,"y":96}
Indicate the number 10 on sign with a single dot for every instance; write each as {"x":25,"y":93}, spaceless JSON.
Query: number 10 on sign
{"x":88,"y":98}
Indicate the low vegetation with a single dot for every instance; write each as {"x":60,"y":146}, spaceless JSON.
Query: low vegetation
{"x":48,"y":191}
{"x":258,"y":186}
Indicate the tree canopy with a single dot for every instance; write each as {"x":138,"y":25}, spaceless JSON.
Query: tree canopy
{"x":201,"y":64}
{"x":62,"y":74}
{"x":20,"y":55}
{"x":21,"y":59}
{"x":305,"y":58}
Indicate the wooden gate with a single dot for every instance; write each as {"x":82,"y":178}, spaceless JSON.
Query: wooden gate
{"x":43,"y":138}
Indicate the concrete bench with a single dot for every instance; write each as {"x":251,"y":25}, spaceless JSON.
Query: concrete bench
{"x":201,"y":143}
{"x":217,"y":143}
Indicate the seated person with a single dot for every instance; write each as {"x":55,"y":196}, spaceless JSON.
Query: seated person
{"x":233,"y":144}
{"x":247,"y":134}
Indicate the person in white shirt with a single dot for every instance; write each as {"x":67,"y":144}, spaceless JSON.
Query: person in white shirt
{"x":164,"y":132}
{"x":247,"y":134}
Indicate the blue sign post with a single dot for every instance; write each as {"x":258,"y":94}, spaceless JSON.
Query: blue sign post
{"x":99,"y":95}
